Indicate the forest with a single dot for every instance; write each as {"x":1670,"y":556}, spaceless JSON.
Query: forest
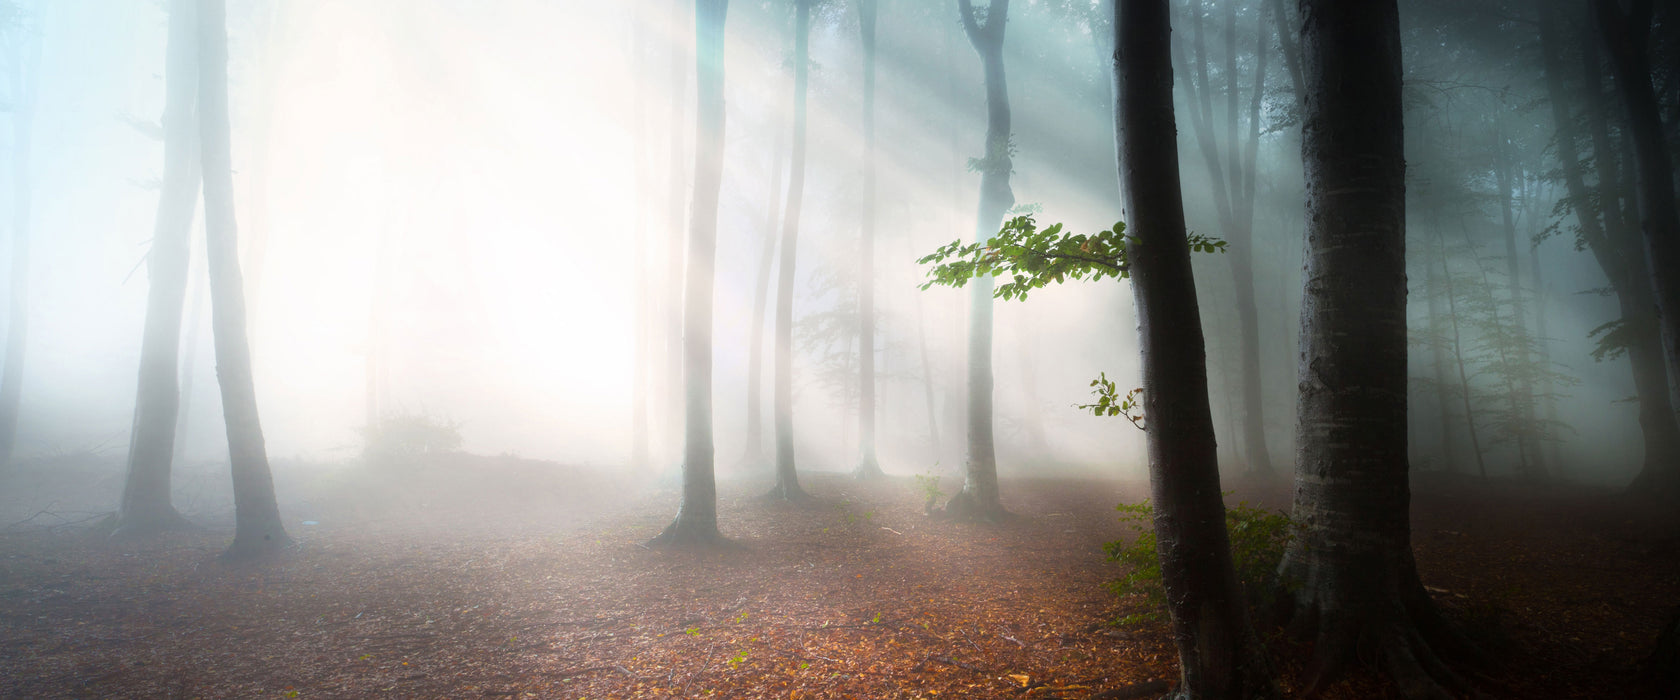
{"x":800,"y":349}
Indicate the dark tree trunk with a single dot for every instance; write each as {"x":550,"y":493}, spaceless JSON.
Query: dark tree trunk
{"x":17,"y":328}
{"x":1219,"y":653}
{"x":752,"y":455}
{"x":1530,"y":464}
{"x":979,"y":495}
{"x":145,"y":508}
{"x":868,"y":466}
{"x":787,"y":473}
{"x":1438,"y":348}
{"x":1349,"y":577}
{"x":1626,"y":36}
{"x":257,"y":514}
{"x":1458,"y":357}
{"x":1620,"y":258}
{"x":696,"y":521}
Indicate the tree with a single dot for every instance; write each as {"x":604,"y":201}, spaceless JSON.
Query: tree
{"x":1626,"y":35}
{"x":979,"y":495}
{"x":25,"y":53}
{"x":1233,"y":183}
{"x":145,"y":506}
{"x":1350,"y":580}
{"x":787,"y":475}
{"x":868,"y":466}
{"x":753,"y":454}
{"x":258,"y":529}
{"x":1219,"y":654}
{"x":696,"y":521}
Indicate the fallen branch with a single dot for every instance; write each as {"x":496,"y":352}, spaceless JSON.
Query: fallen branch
{"x":1135,"y":690}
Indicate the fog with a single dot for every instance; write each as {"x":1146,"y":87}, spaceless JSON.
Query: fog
{"x":440,"y":199}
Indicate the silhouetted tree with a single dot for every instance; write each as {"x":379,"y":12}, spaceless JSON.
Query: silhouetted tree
{"x":257,"y":514}
{"x":868,"y":466}
{"x":753,"y":454}
{"x":696,"y":521}
{"x":145,"y":506}
{"x":787,"y":474}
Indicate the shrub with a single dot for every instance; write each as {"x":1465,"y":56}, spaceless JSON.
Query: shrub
{"x":410,"y":434}
{"x":1257,"y":537}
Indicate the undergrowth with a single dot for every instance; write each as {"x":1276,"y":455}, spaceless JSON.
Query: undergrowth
{"x":1257,"y":536}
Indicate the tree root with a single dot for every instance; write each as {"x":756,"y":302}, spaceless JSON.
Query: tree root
{"x":964,"y":506}
{"x":685,"y":535}
{"x":868,"y":469}
{"x":789,"y":492}
{"x":1398,"y":645}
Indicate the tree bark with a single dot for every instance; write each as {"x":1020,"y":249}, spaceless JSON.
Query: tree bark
{"x":696,"y":521}
{"x":1219,"y":653}
{"x":979,"y":498}
{"x":256,"y":512}
{"x":1625,"y":35}
{"x":1350,"y":581}
{"x":145,"y":507}
{"x":868,"y":466}
{"x":787,"y":474}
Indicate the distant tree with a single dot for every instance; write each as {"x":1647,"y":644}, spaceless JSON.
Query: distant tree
{"x":258,"y":528}
{"x":1626,"y":34}
{"x":1350,"y":580}
{"x":145,"y":506}
{"x":787,"y":474}
{"x":696,"y":521}
{"x":1232,"y":168}
{"x":868,"y":465}
{"x":985,"y":29}
{"x":25,"y":53}
{"x":753,"y":454}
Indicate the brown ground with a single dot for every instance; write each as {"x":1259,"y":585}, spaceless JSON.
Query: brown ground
{"x":548,"y":594}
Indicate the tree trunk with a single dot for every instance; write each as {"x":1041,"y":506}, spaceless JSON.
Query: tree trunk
{"x":868,"y":466}
{"x":257,"y":514}
{"x":1219,"y":653}
{"x":193,"y":321}
{"x":145,"y":508}
{"x":979,"y":495}
{"x":1529,"y":463}
{"x":1349,"y":576}
{"x":17,"y":329}
{"x":787,"y":474}
{"x":1438,"y":348}
{"x":1621,"y":261}
{"x":1458,"y":357}
{"x":696,"y":521}
{"x":753,"y":454}
{"x":1626,"y":37}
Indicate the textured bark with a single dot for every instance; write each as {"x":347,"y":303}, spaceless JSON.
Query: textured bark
{"x":1350,"y":582}
{"x":1233,"y":182}
{"x":1611,"y":243}
{"x":17,"y":324}
{"x":696,"y":521}
{"x":145,"y":507}
{"x":979,"y":495}
{"x":868,"y":465}
{"x":787,"y":473}
{"x":258,"y":529}
{"x":1219,"y":653}
{"x":1625,"y":35}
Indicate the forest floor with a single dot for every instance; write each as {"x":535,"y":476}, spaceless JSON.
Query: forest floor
{"x":509,"y":579}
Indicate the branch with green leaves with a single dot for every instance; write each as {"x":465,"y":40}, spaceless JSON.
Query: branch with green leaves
{"x":1111,"y":403}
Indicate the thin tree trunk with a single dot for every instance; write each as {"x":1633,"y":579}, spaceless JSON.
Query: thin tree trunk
{"x":1219,"y":653}
{"x":787,"y":474}
{"x":1350,"y":579}
{"x":1458,"y":355}
{"x":25,"y":51}
{"x":145,"y":508}
{"x":696,"y":521}
{"x":979,"y":495}
{"x":1522,"y":387}
{"x":753,"y":455}
{"x":257,"y":514}
{"x":868,"y":466}
{"x":1438,"y":348}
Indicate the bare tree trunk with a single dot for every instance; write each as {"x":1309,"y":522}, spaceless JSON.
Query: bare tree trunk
{"x":193,"y":321}
{"x":787,"y":474}
{"x":696,"y":521}
{"x":1626,"y":36}
{"x":145,"y":508}
{"x":25,"y":54}
{"x":868,"y":466}
{"x":1529,"y":461}
{"x":1458,"y":356}
{"x":1351,"y":582}
{"x":1219,"y":653}
{"x":1438,"y":347}
{"x":257,"y":514}
{"x":753,"y":455}
{"x":979,"y":495}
